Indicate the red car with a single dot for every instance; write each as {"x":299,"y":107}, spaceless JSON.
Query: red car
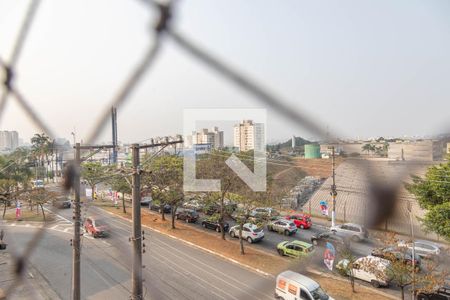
{"x":95,"y":227}
{"x":300,"y":220}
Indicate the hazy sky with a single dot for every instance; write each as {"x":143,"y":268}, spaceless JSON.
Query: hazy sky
{"x":363,"y":68}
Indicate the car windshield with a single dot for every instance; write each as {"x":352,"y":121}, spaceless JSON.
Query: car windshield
{"x":99,"y":223}
{"x":319,"y":294}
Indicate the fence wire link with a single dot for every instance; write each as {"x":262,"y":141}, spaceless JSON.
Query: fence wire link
{"x":376,"y":191}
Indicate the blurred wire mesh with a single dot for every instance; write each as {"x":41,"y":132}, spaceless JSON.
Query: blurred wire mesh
{"x":380,"y":194}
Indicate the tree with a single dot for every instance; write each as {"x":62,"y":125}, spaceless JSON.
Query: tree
{"x":122,"y":185}
{"x":164,"y":174}
{"x":38,"y":197}
{"x":41,"y":149}
{"x":213,"y":166}
{"x":367,"y":148}
{"x":433,"y":194}
{"x":347,"y":269}
{"x":94,"y":173}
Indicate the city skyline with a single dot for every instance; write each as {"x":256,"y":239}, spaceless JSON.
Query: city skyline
{"x":344,"y":68}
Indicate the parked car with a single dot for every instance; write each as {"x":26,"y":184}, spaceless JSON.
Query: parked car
{"x":336,"y":239}
{"x":394,"y":254}
{"x":211,"y":209}
{"x":442,"y":293}
{"x":157,"y":207}
{"x":355,"y":231}
{"x":302,"y":221}
{"x":214,"y":224}
{"x":295,"y":249}
{"x":62,"y":203}
{"x":145,"y":201}
{"x":193,"y":204}
{"x":370,"y":268}
{"x":250,"y":232}
{"x":292,"y":286}
{"x":424,"y":249}
{"x":95,"y":227}
{"x":282,"y":226}
{"x":264,"y":212}
{"x":188,"y":215}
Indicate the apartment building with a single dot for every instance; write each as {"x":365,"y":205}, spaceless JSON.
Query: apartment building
{"x":249,"y":136}
{"x":9,"y":140}
{"x":213,"y":138}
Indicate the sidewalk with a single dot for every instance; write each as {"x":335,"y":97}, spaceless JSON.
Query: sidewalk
{"x":33,"y":285}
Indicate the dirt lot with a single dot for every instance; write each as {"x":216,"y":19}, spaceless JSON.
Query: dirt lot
{"x":339,"y":288}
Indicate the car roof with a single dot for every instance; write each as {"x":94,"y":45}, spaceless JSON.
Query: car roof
{"x":301,"y":243}
{"x":427,"y":243}
{"x":375,"y":259}
{"x":307,"y":282}
{"x":352,"y":224}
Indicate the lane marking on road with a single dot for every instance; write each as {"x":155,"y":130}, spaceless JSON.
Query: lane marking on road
{"x":188,"y":260}
{"x":199,"y":247}
{"x":170,"y":263}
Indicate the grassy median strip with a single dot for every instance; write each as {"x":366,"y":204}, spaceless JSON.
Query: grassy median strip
{"x":339,"y":288}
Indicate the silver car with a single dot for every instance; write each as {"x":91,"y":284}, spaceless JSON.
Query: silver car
{"x":355,"y":231}
{"x":424,"y":249}
{"x":282,"y":226}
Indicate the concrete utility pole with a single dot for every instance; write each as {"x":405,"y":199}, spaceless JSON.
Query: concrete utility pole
{"x":136,"y":278}
{"x":76,"y":251}
{"x":333,"y":187}
{"x":76,"y":245}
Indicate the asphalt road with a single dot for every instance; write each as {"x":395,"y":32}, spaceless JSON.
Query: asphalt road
{"x":173,"y":269}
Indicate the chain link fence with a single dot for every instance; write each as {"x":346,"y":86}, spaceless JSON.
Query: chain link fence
{"x":375,"y":190}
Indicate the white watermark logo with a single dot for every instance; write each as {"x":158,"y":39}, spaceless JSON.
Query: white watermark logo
{"x":253,"y":132}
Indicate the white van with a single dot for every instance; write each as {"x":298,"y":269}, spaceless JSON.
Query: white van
{"x":293,"y":286}
{"x":370,"y":268}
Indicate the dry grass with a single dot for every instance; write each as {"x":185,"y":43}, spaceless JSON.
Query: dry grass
{"x":27,"y":215}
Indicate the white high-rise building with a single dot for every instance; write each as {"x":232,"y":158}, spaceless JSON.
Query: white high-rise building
{"x":213,"y":138}
{"x":249,"y":136}
{"x":9,"y":140}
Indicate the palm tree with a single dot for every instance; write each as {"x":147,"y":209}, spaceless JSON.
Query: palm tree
{"x":41,"y":149}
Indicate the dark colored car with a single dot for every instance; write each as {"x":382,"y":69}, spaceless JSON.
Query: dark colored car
{"x":188,"y":215}
{"x":390,"y":253}
{"x":211,"y":209}
{"x":213,"y":224}
{"x":441,"y":294}
{"x":145,"y":201}
{"x":157,"y":207}
{"x":62,"y":203}
{"x":95,"y":227}
{"x":331,"y":237}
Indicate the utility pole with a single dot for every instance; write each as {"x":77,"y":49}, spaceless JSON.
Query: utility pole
{"x":76,"y":244}
{"x":76,"y":251}
{"x":136,"y":278}
{"x":333,"y":188}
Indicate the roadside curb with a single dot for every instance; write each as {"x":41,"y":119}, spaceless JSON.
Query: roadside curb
{"x":201,"y":248}
{"x":323,"y":274}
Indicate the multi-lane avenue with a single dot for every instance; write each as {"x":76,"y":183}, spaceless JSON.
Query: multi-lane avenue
{"x":173,"y":269}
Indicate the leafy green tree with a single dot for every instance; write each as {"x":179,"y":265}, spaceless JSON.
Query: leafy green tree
{"x":122,"y":185}
{"x":164,"y":174}
{"x":41,"y":148}
{"x":94,"y":173}
{"x":433,"y":194}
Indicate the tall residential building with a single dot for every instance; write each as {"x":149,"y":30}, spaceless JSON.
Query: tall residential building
{"x":9,"y":140}
{"x":249,"y":136}
{"x":212,"y":137}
